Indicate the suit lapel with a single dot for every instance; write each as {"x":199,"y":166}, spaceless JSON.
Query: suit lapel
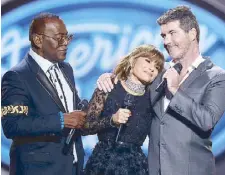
{"x":70,"y":82}
{"x":66,"y":76}
{"x":44,"y":82}
{"x":158,"y":107}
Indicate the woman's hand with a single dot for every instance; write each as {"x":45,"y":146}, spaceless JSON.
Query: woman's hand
{"x":121,"y":116}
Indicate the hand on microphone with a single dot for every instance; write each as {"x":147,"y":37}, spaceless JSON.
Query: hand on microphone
{"x":173,"y":80}
{"x":121,"y":116}
{"x":75,"y":119}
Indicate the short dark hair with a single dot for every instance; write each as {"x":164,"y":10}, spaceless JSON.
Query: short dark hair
{"x":39,"y":20}
{"x":184,"y":15}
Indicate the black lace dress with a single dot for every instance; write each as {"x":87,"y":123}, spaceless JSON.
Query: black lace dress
{"x":124,"y":157}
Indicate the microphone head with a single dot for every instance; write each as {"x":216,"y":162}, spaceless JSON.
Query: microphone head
{"x":128,"y":100}
{"x":178,"y":67}
{"x":83,"y":105}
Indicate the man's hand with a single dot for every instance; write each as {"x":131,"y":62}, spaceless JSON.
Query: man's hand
{"x":105,"y":83}
{"x":173,"y":80}
{"x":74,"y":119}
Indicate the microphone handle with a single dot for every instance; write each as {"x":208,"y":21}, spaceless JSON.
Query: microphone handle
{"x":70,"y":135}
{"x":67,"y":144}
{"x":118,"y":133}
{"x":120,"y":128}
{"x":162,"y":86}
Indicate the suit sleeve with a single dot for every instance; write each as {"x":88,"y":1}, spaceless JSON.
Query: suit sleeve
{"x":16,"y":116}
{"x":206,"y":113}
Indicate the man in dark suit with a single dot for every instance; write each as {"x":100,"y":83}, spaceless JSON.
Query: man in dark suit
{"x":38,"y":102}
{"x":179,"y":140}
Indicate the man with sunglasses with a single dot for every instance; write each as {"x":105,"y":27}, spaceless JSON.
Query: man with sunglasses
{"x":39,"y":99}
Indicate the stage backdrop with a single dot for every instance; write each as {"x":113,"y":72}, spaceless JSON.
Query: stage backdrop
{"x":104,"y":32}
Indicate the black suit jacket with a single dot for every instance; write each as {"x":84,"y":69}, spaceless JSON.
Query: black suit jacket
{"x":30,"y":117}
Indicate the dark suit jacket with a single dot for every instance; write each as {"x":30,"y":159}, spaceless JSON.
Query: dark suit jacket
{"x":30,"y":117}
{"x":179,"y":140}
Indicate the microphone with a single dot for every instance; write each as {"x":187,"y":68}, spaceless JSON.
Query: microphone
{"x":163,"y":85}
{"x":128,"y":102}
{"x":82,"y":106}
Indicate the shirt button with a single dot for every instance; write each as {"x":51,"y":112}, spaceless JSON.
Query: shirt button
{"x":61,"y":96}
{"x":162,"y":123}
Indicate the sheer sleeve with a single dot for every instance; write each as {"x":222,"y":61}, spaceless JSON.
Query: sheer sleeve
{"x":94,"y":121}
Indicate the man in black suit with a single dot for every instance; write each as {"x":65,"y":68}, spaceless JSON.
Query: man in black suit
{"x":38,"y":102}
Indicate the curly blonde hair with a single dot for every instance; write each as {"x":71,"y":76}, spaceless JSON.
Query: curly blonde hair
{"x":122,"y":70}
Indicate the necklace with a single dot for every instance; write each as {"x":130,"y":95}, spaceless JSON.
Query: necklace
{"x":136,"y":88}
